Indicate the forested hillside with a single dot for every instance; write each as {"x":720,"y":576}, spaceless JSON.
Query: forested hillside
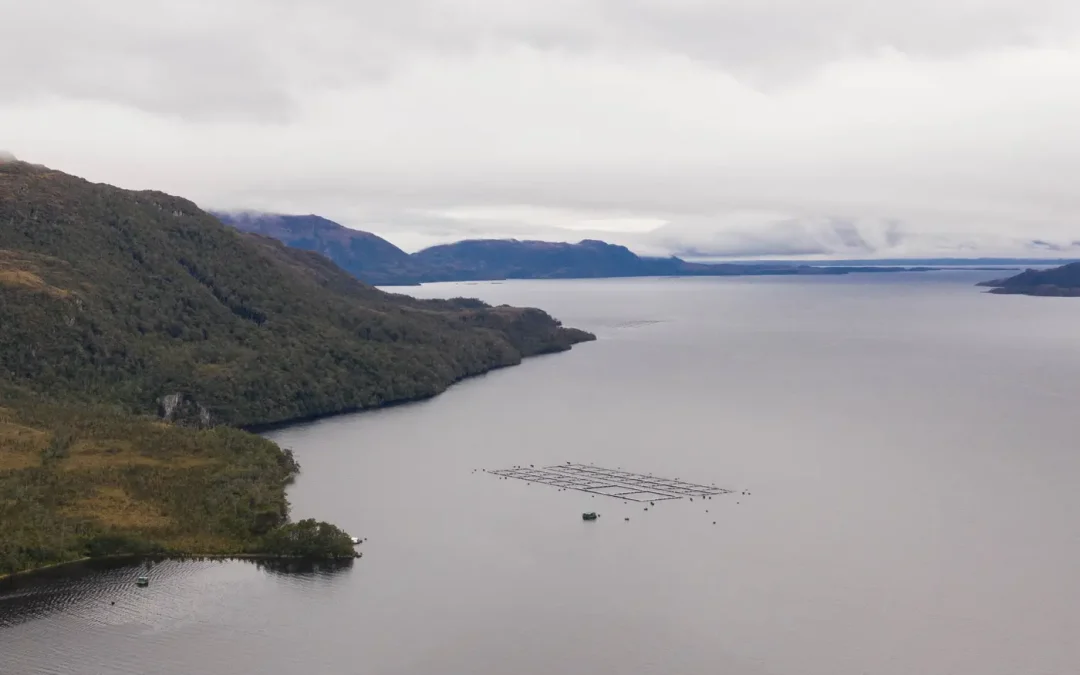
{"x":142,"y":299}
{"x":135,"y":329}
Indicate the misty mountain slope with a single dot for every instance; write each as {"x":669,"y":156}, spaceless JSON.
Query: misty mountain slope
{"x":362,"y":254}
{"x":375,"y":260}
{"x":109,"y":295}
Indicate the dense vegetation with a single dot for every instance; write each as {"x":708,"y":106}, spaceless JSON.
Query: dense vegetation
{"x":81,"y":481}
{"x":132,"y":297}
{"x":1058,"y":281}
{"x":134,"y":325}
{"x":309,"y":538}
{"x":377,"y":261}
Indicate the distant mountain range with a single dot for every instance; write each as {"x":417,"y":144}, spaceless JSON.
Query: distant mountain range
{"x":362,"y":254}
{"x":1059,"y":281}
{"x":377,"y":261}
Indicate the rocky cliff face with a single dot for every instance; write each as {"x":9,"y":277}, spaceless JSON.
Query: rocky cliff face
{"x":177,"y":407}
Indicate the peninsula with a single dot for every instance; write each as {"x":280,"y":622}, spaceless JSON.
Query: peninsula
{"x":1057,"y":281}
{"x":140,"y":335}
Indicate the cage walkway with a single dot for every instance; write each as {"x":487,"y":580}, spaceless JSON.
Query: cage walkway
{"x":634,"y":487}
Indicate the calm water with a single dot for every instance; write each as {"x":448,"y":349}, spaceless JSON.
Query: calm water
{"x":910,"y":444}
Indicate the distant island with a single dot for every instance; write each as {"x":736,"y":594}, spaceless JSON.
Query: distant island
{"x":376,"y":261}
{"x":141,"y":336}
{"x":1058,"y":281}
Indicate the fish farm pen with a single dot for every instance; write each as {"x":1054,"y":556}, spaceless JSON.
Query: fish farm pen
{"x":634,"y":487}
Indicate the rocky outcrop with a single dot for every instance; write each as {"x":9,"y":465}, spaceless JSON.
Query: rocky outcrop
{"x":177,"y":407}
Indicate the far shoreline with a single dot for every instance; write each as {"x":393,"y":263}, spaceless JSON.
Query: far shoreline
{"x":790,"y":269}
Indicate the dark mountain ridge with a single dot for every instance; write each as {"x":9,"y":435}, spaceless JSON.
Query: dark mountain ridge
{"x":377,"y":261}
{"x":362,"y":254}
{"x":1058,"y":281}
{"x":490,"y":259}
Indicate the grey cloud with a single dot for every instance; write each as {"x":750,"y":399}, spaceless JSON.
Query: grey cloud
{"x":156,"y":56}
{"x":785,"y":39}
{"x":752,"y":248}
{"x":831,"y":127}
{"x":838,"y":238}
{"x":259,"y":59}
{"x":757,"y":236}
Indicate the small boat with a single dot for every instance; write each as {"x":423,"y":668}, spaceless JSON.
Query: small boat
{"x":591,"y":515}
{"x":142,"y":581}
{"x":355,"y":540}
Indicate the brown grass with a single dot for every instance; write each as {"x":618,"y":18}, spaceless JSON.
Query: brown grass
{"x":94,"y":454}
{"x":20,"y":446}
{"x":114,"y":507}
{"x":203,"y":543}
{"x":211,"y":369}
{"x":15,"y":277}
{"x":13,"y":272}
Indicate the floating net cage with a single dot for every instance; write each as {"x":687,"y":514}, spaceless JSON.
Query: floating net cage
{"x":634,"y":487}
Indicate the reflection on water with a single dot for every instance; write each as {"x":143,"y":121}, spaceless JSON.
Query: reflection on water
{"x":105,"y":591}
{"x":301,"y":571}
{"x":207,"y":616}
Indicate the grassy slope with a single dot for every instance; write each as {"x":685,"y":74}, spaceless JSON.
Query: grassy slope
{"x":73,"y":479}
{"x":111,"y":300}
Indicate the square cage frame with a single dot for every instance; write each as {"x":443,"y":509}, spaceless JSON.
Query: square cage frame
{"x":634,"y":487}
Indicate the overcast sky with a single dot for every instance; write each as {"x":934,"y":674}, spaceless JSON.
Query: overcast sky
{"x":850,"y":128}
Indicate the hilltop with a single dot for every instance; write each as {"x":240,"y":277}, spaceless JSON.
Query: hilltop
{"x":138,"y":327}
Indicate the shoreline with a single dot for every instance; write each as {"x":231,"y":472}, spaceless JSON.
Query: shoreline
{"x":781,"y":268}
{"x":265,"y":427}
{"x":15,"y":576}
{"x":9,"y":578}
{"x":124,"y":558}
